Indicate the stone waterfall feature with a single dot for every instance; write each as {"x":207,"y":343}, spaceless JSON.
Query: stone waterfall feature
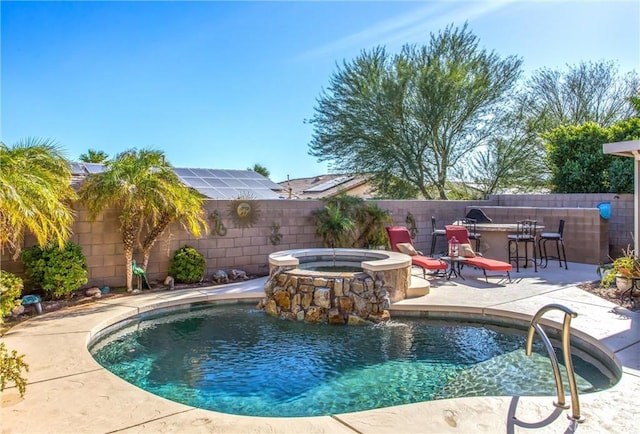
{"x":296,"y":293}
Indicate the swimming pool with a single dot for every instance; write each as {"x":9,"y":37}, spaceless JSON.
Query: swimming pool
{"x":237,"y":360}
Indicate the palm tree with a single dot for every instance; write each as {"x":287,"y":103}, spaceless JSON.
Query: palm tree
{"x":259,"y":168}
{"x":35,"y":194}
{"x":150,"y":196}
{"x":333,"y":226}
{"x":93,"y":156}
{"x":372,"y":222}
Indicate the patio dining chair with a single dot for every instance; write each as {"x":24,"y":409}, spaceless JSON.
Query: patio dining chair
{"x":435,"y":233}
{"x":558,"y":238}
{"x":525,"y":235}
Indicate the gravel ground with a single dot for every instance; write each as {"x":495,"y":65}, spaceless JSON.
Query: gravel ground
{"x":612,"y":295}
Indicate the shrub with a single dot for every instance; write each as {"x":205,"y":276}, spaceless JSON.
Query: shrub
{"x":11,"y":366}
{"x":57,"y":272}
{"x":187,"y":265}
{"x":10,"y":291}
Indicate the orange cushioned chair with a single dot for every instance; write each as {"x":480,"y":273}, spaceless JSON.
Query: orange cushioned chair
{"x":475,"y":259}
{"x":400,"y":241}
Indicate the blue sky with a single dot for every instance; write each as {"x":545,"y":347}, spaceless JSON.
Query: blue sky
{"x":229,"y":84}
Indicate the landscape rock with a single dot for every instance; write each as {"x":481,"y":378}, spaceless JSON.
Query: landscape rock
{"x":170,"y":282}
{"x":93,"y":292}
{"x":220,"y":276}
{"x":18,"y":310}
{"x":238,"y":274}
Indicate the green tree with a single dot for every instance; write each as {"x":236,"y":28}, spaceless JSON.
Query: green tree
{"x":414,"y":115}
{"x":149,"y":195}
{"x":515,"y":159}
{"x":35,"y":194}
{"x":93,"y":156}
{"x":349,"y":221}
{"x":258,"y":168}
{"x":333,"y":226}
{"x":588,"y":92}
{"x":578,"y":163}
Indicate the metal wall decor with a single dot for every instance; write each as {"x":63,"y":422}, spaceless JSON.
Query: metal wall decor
{"x":411,"y":223}
{"x":244,"y":212}
{"x":218,"y":226}
{"x":276,"y":236}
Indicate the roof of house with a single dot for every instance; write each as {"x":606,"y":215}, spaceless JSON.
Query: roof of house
{"x":323,"y":186}
{"x":213,"y":183}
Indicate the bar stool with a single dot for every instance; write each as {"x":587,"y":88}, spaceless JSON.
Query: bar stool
{"x":525,"y":233}
{"x":435,"y":234}
{"x":558,"y":238}
{"x":470,"y":224}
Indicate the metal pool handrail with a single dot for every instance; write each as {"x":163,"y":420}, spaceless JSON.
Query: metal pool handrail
{"x":534,"y":326}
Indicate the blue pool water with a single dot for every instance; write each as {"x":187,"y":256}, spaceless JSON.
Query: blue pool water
{"x":237,"y":360}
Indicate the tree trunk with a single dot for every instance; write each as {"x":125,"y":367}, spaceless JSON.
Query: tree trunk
{"x":128,"y":256}
{"x":128,"y":241}
{"x":151,"y":239}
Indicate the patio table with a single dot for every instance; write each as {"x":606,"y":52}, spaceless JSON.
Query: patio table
{"x":455,"y":265}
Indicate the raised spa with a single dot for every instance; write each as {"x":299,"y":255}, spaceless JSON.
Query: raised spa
{"x":235,"y":359}
{"x":312,"y":285}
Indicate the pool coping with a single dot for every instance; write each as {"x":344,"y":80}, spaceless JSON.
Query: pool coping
{"x":69,"y":392}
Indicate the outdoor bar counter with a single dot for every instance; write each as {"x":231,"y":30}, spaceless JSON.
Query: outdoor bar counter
{"x":494,"y":243}
{"x":586,"y":233}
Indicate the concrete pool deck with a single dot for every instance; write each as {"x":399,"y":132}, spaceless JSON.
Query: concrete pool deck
{"x":68,"y":392}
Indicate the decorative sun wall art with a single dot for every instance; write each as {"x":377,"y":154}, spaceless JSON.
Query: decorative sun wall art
{"x":244,"y":212}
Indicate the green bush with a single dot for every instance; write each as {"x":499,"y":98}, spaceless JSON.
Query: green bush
{"x":10,"y":291}
{"x":57,"y":272}
{"x":187,"y":265}
{"x":11,"y":367}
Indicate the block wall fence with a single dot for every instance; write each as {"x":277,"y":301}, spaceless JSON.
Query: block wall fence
{"x":588,"y":237}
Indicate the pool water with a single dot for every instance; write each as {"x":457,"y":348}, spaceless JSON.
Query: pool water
{"x":238,"y":360}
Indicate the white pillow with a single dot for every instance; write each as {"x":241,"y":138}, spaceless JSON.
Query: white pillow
{"x":466,"y":251}
{"x":407,"y":249}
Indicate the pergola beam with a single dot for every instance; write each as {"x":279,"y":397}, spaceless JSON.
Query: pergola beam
{"x":631,"y":149}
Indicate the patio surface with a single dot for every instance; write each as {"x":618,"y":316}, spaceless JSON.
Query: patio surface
{"x":68,"y":392}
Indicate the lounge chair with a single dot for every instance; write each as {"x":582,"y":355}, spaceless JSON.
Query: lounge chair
{"x":400,"y":241}
{"x":475,"y":259}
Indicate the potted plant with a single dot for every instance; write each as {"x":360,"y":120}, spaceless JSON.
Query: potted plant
{"x":621,"y":270}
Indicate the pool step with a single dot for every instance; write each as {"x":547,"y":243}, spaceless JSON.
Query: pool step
{"x":418,"y":287}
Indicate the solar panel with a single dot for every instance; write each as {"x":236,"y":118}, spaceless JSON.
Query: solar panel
{"x":191,"y":181}
{"x":181,"y":171}
{"x":229,"y":184}
{"x":213,"y":183}
{"x":216,"y":182}
{"x":203,"y":173}
{"x":328,"y":184}
{"x":263,"y":194}
{"x":236,"y":183}
{"x":211,"y":193}
{"x":94,"y":167}
{"x":76,"y":168}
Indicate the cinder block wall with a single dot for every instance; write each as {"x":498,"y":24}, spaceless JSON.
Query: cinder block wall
{"x":620,"y":225}
{"x":248,"y":248}
{"x":585,"y":233}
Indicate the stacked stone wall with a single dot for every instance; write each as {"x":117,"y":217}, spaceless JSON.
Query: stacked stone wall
{"x":353,"y":299}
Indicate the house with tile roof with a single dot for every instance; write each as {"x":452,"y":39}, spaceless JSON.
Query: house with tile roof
{"x":324,"y":186}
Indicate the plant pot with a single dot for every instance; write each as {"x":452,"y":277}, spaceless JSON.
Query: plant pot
{"x":623,"y":283}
